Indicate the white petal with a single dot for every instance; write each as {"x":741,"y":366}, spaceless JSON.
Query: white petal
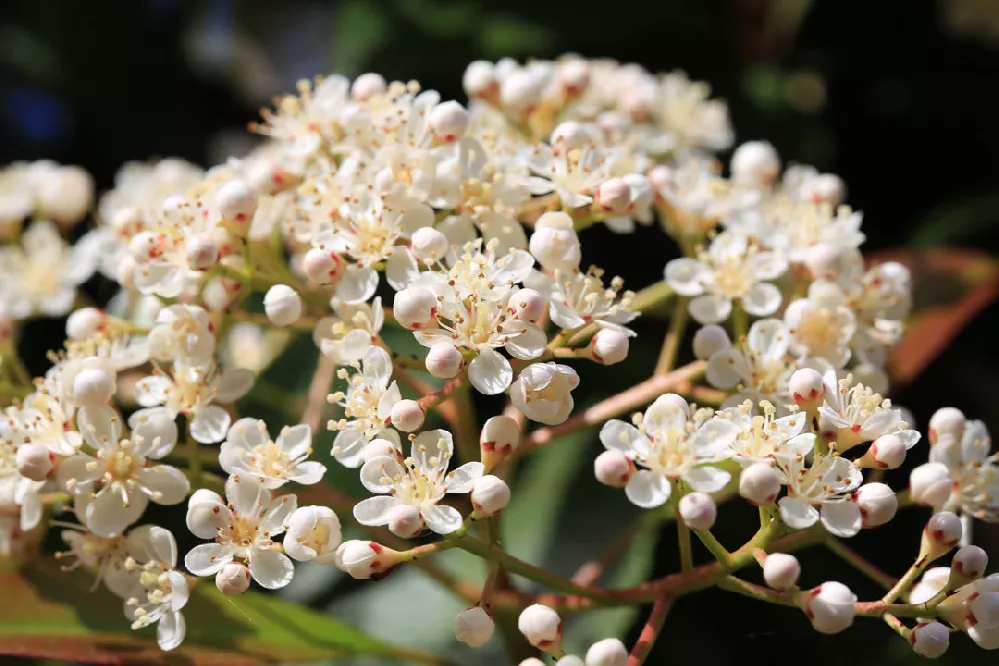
{"x":617,"y":435}
{"x":170,"y":631}
{"x":157,"y":430}
{"x":165,"y":485}
{"x":210,"y":424}
{"x":707,"y":479}
{"x":376,"y":367}
{"x":401,"y":268}
{"x":710,"y":309}
{"x":769,"y":338}
{"x":880,"y":423}
{"x":727,"y":368}
{"x":686,"y":276}
{"x":179,"y":594}
{"x":797,"y":513}
{"x":208,"y":558}
{"x":713,"y":438}
{"x":388,"y":400}
{"x":278,"y":514}
{"x":377,"y":473}
{"x":431,"y":443}
{"x":107,"y":515}
{"x":442,"y":519}
{"x":100,"y":426}
{"x":273,"y":570}
{"x":233,"y":384}
{"x":245,"y":494}
{"x":529,"y":344}
{"x":842,"y":519}
{"x":357,"y":284}
{"x":296,"y":440}
{"x":374,"y":510}
{"x":762,"y":299}
{"x":463,"y":478}
{"x":647,"y":489}
{"x":308,"y":473}
{"x":490,"y":373}
{"x":151,"y":391}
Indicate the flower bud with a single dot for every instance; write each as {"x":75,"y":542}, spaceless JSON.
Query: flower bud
{"x":473,"y":627}
{"x":570,"y":660}
{"x":144,"y":246}
{"x":314,"y":534}
{"x":807,"y":389}
{"x":444,"y":361}
{"x":933,"y":581}
{"x":570,"y":135}
{"x":479,"y":79}
{"x":609,"y":346}
{"x":613,"y":196}
{"x":367,"y":86}
{"x":781,"y":571}
{"x":946,"y":421}
{"x":930,"y":484}
{"x":519,"y":92}
{"x":670,"y":402}
{"x":824,"y":262}
{"x":541,"y":626}
{"x":528,"y":305}
{"x":543,"y":392}
{"x":233,"y":579}
{"x":886,"y":452}
{"x":755,"y":163}
{"x":322,"y":266}
{"x":532,"y":661}
{"x":825,"y":188}
{"x":283,"y":305}
{"x":33,"y":461}
{"x":63,"y":195}
{"x":407,"y":416}
{"x":877,"y":503}
{"x":608,"y":652}
{"x":554,"y":243}
{"x":759,"y":484}
{"x":710,"y":339}
{"x":405,"y":521}
{"x":830,"y":607}
{"x":84,"y":322}
{"x":574,"y":75}
{"x":970,"y":562}
{"x":93,"y":387}
{"x":930,"y":639}
{"x":363,"y":559}
{"x":201,"y":251}
{"x":415,"y":308}
{"x":613,"y":468}
{"x":697,"y":511}
{"x":941,"y":534}
{"x":985,"y":636}
{"x":428,"y":244}
{"x":499,"y":437}
{"x":489,"y":496}
{"x":237,"y":203}
{"x":448,"y":121}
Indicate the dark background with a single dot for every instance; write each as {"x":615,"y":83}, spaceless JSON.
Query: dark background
{"x":901,"y":98}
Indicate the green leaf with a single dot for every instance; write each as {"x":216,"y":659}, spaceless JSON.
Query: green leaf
{"x":50,"y":614}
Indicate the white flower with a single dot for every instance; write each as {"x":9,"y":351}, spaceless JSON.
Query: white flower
{"x":693,"y":120}
{"x":821,"y":325}
{"x":182,"y":333}
{"x":577,"y":298}
{"x":758,"y":367}
{"x":302,"y":124}
{"x":113,"y":487}
{"x":420,"y":481}
{"x":975,"y":609}
{"x":192,"y":390}
{"x":543,"y":392}
{"x":242,"y":530}
{"x":853,"y":414}
{"x":19,"y":491}
{"x":767,"y":438}
{"x":367,"y":404}
{"x":820,"y":491}
{"x":248,"y":449}
{"x":313,"y":534}
{"x":973,"y":472}
{"x":731,"y":269}
{"x":352,"y":329}
{"x":160,"y":592}
{"x":574,"y":175}
{"x":668,"y":445}
{"x":104,"y":556}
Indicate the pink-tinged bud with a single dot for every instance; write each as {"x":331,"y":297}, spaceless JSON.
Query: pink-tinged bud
{"x":233,"y":579}
{"x":877,"y":503}
{"x":613,"y":468}
{"x":970,"y":562}
{"x":825,"y":188}
{"x":448,"y":122}
{"x":755,"y":163}
{"x":479,"y":80}
{"x":415,"y":308}
{"x":930,"y":639}
{"x":520,"y":92}
{"x":499,"y":438}
{"x":407,"y":416}
{"x":709,"y":340}
{"x":573,"y":75}
{"x":85,"y":322}
{"x":570,"y":135}
{"x":781,"y":571}
{"x":428,"y":244}
{"x":367,"y":86}
{"x":528,"y":305}
{"x":759,"y":484}
{"x":947,"y":422}
{"x":608,"y":652}
{"x":473,"y":627}
{"x":283,"y":305}
{"x":613,"y":196}
{"x":829,"y":606}
{"x":824,"y":262}
{"x":201,"y":251}
{"x":807,"y":389}
{"x":542,"y":627}
{"x":33,"y":461}
{"x":942,"y":533}
{"x":237,"y":203}
{"x":322,"y":266}
{"x":489,"y":496}
{"x":930,"y":484}
{"x":404,"y":521}
{"x":444,"y":361}
{"x":697,"y":511}
{"x":364,"y":559}
{"x":609,"y":346}
{"x":93,"y":387}
{"x":886,"y":452}
{"x":554,"y":243}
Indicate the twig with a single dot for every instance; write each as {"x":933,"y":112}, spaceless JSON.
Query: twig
{"x":651,"y":629}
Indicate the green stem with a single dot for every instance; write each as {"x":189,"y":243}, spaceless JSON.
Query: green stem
{"x":906,"y":581}
{"x":671,"y":344}
{"x":713,"y":545}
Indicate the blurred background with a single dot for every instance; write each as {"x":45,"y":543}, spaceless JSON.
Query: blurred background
{"x":899,"y":97}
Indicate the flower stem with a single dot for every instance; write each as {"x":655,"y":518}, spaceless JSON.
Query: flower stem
{"x":713,"y":545}
{"x":651,"y":629}
{"x":671,"y":344}
{"x":906,"y":581}
{"x":683,"y":542}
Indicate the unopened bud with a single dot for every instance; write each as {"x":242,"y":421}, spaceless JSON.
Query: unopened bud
{"x":444,"y":361}
{"x":807,"y":389}
{"x":519,"y":92}
{"x":710,"y":339}
{"x":428,"y":244}
{"x":759,"y":484}
{"x":829,"y":606}
{"x":570,"y":135}
{"x":85,"y":322}
{"x":283,"y":305}
{"x":947,"y":422}
{"x":554,"y":243}
{"x":542,"y":627}
{"x":367,"y":86}
{"x":930,"y":484}
{"x":33,"y":461}
{"x":574,"y":75}
{"x":448,"y":121}
{"x":93,"y":387}
{"x":781,"y":571}
{"x":608,"y":652}
{"x":499,"y":438}
{"x":405,"y":521}
{"x":970,"y":562}
{"x":609,"y":346}
{"x":825,"y":188}
{"x":930,"y":639}
{"x":877,"y":503}
{"x":755,"y":163}
{"x":407,"y":415}
{"x":824,"y":261}
{"x":614,"y":196}
{"x":363,"y":559}
{"x":233,"y":579}
{"x":942,"y":533}
{"x":613,"y":468}
{"x":322,"y":266}
{"x":886,"y":452}
{"x":473,"y":627}
{"x":528,"y":305}
{"x":697,"y":511}
{"x":479,"y":79}
{"x":489,"y":496}
{"x":570,"y":660}
{"x":201,"y":251}
{"x":237,"y":203}
{"x":63,"y":195}
{"x":415,"y":308}
{"x":671,"y":402}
